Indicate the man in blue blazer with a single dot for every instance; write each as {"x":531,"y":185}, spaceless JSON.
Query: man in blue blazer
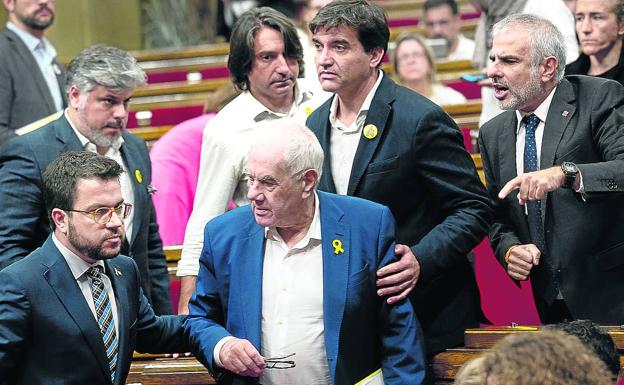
{"x":286,"y":289}
{"x":53,"y":327}
{"x":391,"y":145}
{"x":101,"y":82}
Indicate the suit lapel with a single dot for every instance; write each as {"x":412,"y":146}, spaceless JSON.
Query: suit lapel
{"x":122,"y":298}
{"x":248,"y":279}
{"x":30,"y":63}
{"x":134,"y":170}
{"x":559,"y":115}
{"x":335,"y":273}
{"x":327,"y":179}
{"x":377,"y":115}
{"x":62,"y":282}
{"x":507,"y":159}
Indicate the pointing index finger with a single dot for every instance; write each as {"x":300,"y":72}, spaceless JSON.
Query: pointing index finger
{"x":509,"y":187}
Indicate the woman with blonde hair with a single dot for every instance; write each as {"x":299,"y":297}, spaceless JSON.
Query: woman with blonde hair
{"x":414,"y":68}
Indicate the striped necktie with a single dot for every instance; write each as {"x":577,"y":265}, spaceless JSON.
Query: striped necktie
{"x":104,"y":313}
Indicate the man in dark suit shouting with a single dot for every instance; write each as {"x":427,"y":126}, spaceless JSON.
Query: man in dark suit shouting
{"x":554,"y":164}
{"x":72,"y":312}
{"x":101,"y":80}
{"x":391,"y":145}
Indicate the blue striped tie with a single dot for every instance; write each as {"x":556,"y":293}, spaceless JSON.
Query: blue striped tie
{"x":104,"y":312}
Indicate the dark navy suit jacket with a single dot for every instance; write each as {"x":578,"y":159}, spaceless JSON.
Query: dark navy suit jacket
{"x":417,"y":165}
{"x":25,"y":224}
{"x":48,"y":335}
{"x":362,"y":332}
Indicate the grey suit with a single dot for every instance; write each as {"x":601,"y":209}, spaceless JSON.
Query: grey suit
{"x":584,"y":238}
{"x":24,"y":94}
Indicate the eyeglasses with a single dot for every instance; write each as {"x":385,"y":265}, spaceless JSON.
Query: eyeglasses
{"x":103,"y":215}
{"x":280,"y":362}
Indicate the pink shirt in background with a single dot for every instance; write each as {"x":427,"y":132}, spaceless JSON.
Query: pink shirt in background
{"x":175,"y":166}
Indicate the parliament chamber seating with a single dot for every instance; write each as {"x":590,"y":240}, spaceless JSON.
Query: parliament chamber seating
{"x":158,"y":370}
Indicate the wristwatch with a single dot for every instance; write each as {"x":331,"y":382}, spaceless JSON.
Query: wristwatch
{"x":570,"y":171}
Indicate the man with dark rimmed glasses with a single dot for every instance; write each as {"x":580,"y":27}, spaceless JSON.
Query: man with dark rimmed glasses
{"x":286,"y":291}
{"x":73,"y":311}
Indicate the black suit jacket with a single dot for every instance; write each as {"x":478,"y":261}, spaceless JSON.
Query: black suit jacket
{"x":584,"y":239}
{"x":24,"y":94}
{"x":417,"y":166}
{"x":49,"y":335}
{"x":25,"y":224}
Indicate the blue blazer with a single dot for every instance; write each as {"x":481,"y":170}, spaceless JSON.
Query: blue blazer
{"x":48,"y":334}
{"x":362,"y":333}
{"x":417,"y":165}
{"x":25,"y":224}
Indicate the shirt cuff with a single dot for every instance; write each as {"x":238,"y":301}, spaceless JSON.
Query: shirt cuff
{"x":217,"y":350}
{"x":581,"y":189}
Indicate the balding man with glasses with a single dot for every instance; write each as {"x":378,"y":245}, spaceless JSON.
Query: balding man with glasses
{"x":73,"y":311}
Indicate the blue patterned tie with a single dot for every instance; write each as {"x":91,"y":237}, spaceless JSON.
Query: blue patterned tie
{"x":534,"y":208}
{"x":104,"y":312}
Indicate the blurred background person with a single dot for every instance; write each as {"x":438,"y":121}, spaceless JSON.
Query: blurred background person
{"x":30,"y":76}
{"x":442,"y":21}
{"x":543,"y":358}
{"x":414,"y":68}
{"x":600,"y":28}
{"x":595,"y":338}
{"x":471,"y":373}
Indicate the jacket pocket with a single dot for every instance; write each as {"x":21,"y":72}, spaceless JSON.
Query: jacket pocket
{"x":383,"y":165}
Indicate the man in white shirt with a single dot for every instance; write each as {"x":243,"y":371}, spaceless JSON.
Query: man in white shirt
{"x":442,"y":21}
{"x":32,"y":80}
{"x":554,"y":168}
{"x":265,"y":62}
{"x":286,"y":290}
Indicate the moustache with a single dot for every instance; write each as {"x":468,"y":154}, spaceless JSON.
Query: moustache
{"x":116,"y":124}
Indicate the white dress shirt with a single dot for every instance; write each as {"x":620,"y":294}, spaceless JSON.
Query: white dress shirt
{"x":226,"y":141}
{"x":79,"y":267}
{"x":292,"y":308}
{"x":44,"y":53}
{"x":127,"y":191}
{"x":344,"y":140}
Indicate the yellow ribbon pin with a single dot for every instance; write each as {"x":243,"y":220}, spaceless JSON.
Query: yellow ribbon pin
{"x":138,"y":176}
{"x":370,"y":131}
{"x":308,"y":110}
{"x":337,"y":246}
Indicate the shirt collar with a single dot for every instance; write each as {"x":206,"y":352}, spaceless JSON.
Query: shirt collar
{"x":31,"y":41}
{"x":77,"y":265}
{"x":86,"y":143}
{"x":541,"y":111}
{"x":333,"y":109}
{"x":314,"y":231}
{"x":260,"y":112}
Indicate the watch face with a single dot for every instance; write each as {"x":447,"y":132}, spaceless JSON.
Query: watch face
{"x":569,"y":167}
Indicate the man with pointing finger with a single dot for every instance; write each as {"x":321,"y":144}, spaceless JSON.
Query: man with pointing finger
{"x":554,"y":165}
